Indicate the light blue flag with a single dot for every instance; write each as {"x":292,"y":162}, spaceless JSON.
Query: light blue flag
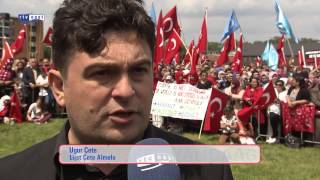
{"x":273,"y":58}
{"x":282,"y":22}
{"x":231,"y":26}
{"x":265,"y":54}
{"x":153,"y":13}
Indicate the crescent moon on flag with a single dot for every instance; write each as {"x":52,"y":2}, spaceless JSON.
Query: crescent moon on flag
{"x":174,"y":44}
{"x":161,"y":33}
{"x":218,"y":100}
{"x":267,"y":95}
{"x":50,"y":37}
{"x":170,"y":24}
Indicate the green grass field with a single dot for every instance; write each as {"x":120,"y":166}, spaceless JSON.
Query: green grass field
{"x":277,"y":161}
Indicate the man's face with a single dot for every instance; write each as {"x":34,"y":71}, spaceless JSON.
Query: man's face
{"x":204,"y":76}
{"x":33,"y":63}
{"x":108,"y":97}
{"x":46,"y":63}
{"x":8,"y":66}
{"x":256,"y":75}
{"x":254,"y":83}
{"x":264,"y":79}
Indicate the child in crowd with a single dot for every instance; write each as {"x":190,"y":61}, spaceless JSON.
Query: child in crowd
{"x":228,"y":124}
{"x":37,"y":112}
{"x":246,"y":133}
{"x":5,"y":104}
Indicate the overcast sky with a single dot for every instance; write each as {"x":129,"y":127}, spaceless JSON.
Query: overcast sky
{"x":256,"y":17}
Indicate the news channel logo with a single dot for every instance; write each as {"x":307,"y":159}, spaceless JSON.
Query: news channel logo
{"x":28,"y":18}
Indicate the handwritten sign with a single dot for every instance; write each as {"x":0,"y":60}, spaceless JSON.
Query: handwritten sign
{"x":180,"y":101}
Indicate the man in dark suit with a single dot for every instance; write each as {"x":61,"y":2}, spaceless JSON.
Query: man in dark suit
{"x":29,"y":77}
{"x":103,"y":51}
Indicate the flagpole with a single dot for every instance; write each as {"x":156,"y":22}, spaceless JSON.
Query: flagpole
{"x":207,"y":28}
{"x":199,"y":136}
{"x":303,"y":57}
{"x":51,"y":53}
{"x":291,"y":51}
{"x":183,"y":44}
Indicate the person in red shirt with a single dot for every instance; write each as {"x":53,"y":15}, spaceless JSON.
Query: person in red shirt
{"x":212,"y":77}
{"x":250,"y":96}
{"x":179,"y":75}
{"x":193,"y":78}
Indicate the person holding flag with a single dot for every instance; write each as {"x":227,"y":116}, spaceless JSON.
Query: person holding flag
{"x":250,"y":96}
{"x":7,"y":76}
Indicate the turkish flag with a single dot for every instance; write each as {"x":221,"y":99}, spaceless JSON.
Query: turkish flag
{"x":6,"y":54}
{"x":264,"y":99}
{"x":48,"y":38}
{"x":258,"y":61}
{"x":173,"y":47}
{"x":203,"y":58}
{"x":203,"y":38}
{"x":188,"y":56}
{"x":232,"y":45}
{"x":237,"y":62}
{"x":158,"y":52}
{"x":15,"y":109}
{"x":17,"y":46}
{"x":194,"y":61}
{"x":280,"y":49}
{"x":299,"y":118}
{"x":170,"y":22}
{"x":217,"y":103}
{"x":227,"y":47}
{"x":300,"y":59}
{"x":177,"y":57}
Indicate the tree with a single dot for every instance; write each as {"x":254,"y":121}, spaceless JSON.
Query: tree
{"x":214,"y":47}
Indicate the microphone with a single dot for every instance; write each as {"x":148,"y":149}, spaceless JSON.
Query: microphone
{"x":152,"y":171}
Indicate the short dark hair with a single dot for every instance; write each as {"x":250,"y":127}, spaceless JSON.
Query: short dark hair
{"x":80,"y":25}
{"x":203,"y":72}
{"x":300,"y":79}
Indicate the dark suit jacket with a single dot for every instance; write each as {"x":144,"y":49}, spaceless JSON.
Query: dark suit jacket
{"x":28,"y":77}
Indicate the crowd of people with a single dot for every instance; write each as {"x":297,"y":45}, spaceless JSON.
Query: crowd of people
{"x":294,"y":86}
{"x":28,"y":78}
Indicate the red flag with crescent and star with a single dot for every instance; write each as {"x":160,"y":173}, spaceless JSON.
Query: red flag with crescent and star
{"x":6,"y":54}
{"x":237,"y":64}
{"x":203,"y":37}
{"x":170,"y":22}
{"x":280,"y":49}
{"x":173,"y":47}
{"x":300,"y":59}
{"x":17,"y":46}
{"x":217,"y":103}
{"x":48,"y":38}
{"x":228,"y":46}
{"x":267,"y":97}
{"x":258,"y":61}
{"x":189,"y":53}
{"x":158,"y":52}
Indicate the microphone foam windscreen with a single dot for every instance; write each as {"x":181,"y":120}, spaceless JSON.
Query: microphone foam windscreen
{"x":143,"y":171}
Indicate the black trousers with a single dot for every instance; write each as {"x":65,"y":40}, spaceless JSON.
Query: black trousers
{"x":276,"y":124}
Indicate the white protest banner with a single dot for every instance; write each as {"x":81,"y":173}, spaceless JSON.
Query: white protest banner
{"x":180,"y":101}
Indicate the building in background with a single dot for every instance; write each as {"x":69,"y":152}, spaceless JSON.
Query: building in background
{"x":9,"y":29}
